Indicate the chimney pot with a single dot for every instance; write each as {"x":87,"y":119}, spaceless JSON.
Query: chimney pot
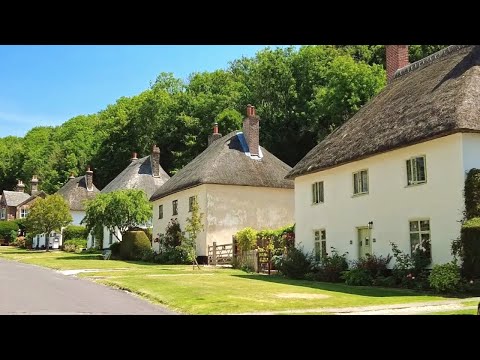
{"x":215,"y":128}
{"x":396,"y":58}
{"x":20,"y":186}
{"x":134,"y":156}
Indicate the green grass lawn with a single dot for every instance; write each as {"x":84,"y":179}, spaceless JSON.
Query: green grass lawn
{"x":456,"y":312}
{"x":215,"y":290}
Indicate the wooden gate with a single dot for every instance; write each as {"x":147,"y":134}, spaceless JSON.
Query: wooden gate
{"x":220,"y":254}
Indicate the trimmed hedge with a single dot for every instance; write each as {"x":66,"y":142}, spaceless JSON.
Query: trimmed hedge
{"x":6,"y":228}
{"x":74,"y":245}
{"x":472,"y":194}
{"x":74,"y":232}
{"x":134,"y":244}
{"x":470,"y":241}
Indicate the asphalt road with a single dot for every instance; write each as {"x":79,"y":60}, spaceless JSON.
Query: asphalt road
{"x":28,"y":289}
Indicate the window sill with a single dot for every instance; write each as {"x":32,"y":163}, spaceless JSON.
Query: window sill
{"x":319,"y":203}
{"x":417,"y":184}
{"x":359,"y":194}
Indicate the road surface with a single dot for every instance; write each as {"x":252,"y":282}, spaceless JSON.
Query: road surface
{"x":28,"y":289}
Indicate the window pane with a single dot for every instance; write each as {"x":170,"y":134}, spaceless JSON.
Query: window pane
{"x":317,"y":250}
{"x":414,"y":226}
{"x":409,"y":172}
{"x":414,"y":170}
{"x":324,"y":248}
{"x":364,"y":181}
{"x":414,"y":241}
{"x":323,"y":234}
{"x":355,"y":183}
{"x":320,"y":197}
{"x":317,"y":235}
{"x":420,"y":161}
{"x":425,"y":225}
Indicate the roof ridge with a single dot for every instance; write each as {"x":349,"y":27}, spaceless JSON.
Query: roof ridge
{"x":427,"y":60}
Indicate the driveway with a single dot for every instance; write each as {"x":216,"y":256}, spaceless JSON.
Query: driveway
{"x":29,"y":289}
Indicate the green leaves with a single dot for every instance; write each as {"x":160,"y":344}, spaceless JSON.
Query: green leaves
{"x":46,"y":215}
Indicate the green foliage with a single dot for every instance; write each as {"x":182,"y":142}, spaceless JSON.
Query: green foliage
{"x":176,"y":255}
{"x":20,"y":242}
{"x":75,"y":245}
{"x":74,"y":232}
{"x":472,"y":194}
{"x":374,"y":265}
{"x":28,"y":242}
{"x":13,"y":235}
{"x":47,"y":215}
{"x":193,"y":227}
{"x":384,"y":281}
{"x":246,"y":239}
{"x":115,"y":247}
{"x":357,"y":277}
{"x":330,"y":267}
{"x":174,"y":247}
{"x":445,"y":278}
{"x":469,"y":248}
{"x":6,"y":228}
{"x":121,"y":209}
{"x":409,"y":270}
{"x":295,"y":264}
{"x":133,"y":245}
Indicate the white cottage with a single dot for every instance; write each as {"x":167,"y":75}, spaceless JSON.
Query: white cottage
{"x":395,"y":171}
{"x":237,"y":184}
{"x":143,"y":174}
{"x":76,"y":191}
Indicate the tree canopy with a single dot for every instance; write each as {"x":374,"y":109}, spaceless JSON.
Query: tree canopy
{"x":301,"y":95}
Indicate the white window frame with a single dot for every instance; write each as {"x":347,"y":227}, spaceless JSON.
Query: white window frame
{"x":174,"y":207}
{"x":320,"y":243}
{"x":360,"y":183}
{"x":110,"y":239}
{"x":23,"y":213}
{"x":160,"y":211}
{"x":191,"y":200}
{"x":318,"y":193}
{"x":420,"y":232}
{"x":412,"y":170}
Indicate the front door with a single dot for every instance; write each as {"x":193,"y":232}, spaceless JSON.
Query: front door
{"x":364,"y":242}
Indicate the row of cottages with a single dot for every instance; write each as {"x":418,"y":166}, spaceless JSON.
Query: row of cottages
{"x":15,"y":204}
{"x":237,"y":184}
{"x":76,"y":191}
{"x":395,"y":171}
{"x":143,"y":174}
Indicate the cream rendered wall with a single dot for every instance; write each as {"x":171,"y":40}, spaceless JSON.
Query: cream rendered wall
{"x":471,"y":151}
{"x":390,"y":204}
{"x":159,"y":225}
{"x":106,"y":237}
{"x":77,"y":216}
{"x":231,"y":208}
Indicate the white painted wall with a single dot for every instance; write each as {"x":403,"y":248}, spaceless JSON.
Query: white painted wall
{"x":227,"y":209}
{"x":77,"y":217}
{"x":159,"y":225}
{"x":106,"y":237}
{"x":471,"y":151}
{"x":55,"y":240}
{"x":390,"y":204}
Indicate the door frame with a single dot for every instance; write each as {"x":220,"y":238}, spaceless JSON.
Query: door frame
{"x":369,"y":237}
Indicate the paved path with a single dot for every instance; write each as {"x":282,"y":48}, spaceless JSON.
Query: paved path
{"x":29,"y":289}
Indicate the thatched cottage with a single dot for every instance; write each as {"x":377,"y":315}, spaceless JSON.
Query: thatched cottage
{"x":395,"y":171}
{"x":15,"y":204}
{"x":76,"y":191}
{"x":236,"y":183}
{"x":143,"y":174}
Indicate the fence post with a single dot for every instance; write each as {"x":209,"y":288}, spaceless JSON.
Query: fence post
{"x":214,"y":256}
{"x":209,"y":261}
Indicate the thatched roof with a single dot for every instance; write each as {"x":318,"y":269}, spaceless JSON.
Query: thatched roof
{"x":75,"y":192}
{"x":226,"y":161}
{"x":433,"y":97}
{"x":138,"y":175}
{"x":15,"y":198}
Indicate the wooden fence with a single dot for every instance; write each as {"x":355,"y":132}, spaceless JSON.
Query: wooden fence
{"x":220,"y":254}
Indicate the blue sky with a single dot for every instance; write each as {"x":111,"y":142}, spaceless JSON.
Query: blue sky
{"x":47,"y":85}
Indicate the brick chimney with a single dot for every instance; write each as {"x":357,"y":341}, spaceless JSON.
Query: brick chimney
{"x":215,"y":136}
{"x":396,"y":58}
{"x":72,"y":176}
{"x":155,"y":161}
{"x":89,"y":176}
{"x":251,"y":129}
{"x":34,"y":185}
{"x":20,"y":186}
{"x":134,"y":156}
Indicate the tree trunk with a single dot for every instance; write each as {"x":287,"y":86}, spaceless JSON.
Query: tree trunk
{"x":47,"y":241}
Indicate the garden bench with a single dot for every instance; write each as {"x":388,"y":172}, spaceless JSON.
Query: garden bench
{"x":106,"y":254}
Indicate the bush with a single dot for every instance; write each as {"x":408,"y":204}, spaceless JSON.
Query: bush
{"x":374,"y":265}
{"x":74,"y":232}
{"x":409,"y":271}
{"x":295,"y":264}
{"x":28,"y":242}
{"x":246,"y":239}
{"x":74,"y":245}
{"x":133,"y":245}
{"x":472,"y":194}
{"x":470,"y":248}
{"x":357,"y":277}
{"x":115,"y":247}
{"x":331,"y":267}
{"x":384,"y":281}
{"x":177,"y":255}
{"x":20,"y":242}
{"x":445,"y":278}
{"x":6,"y":228}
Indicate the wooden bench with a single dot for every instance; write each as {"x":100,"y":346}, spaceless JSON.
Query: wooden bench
{"x":106,"y":254}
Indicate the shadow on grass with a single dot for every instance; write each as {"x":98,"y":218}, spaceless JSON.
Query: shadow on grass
{"x":338,"y":287}
{"x":87,"y":257}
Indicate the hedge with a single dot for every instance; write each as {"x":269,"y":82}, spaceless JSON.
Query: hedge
{"x":133,"y":245}
{"x":6,"y":228}
{"x":470,"y":239}
{"x":74,"y":232}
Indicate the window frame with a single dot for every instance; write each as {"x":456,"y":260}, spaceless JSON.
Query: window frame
{"x":321,"y":241}
{"x":160,"y":211}
{"x":420,"y":232}
{"x":316,"y":199}
{"x":23,"y":213}
{"x":3,"y":213}
{"x":410,"y":170}
{"x":174,"y":207}
{"x":190,"y":202}
{"x":359,"y":173}
{"x":110,"y":238}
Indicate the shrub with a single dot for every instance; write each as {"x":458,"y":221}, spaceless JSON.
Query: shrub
{"x":28,"y":242}
{"x":330,"y":267}
{"x":133,"y":245}
{"x":470,"y":248}
{"x":472,"y":194}
{"x":384,"y":281}
{"x":177,"y":255}
{"x":374,"y":265}
{"x":115,"y":247}
{"x":409,"y":271}
{"x":357,"y":277}
{"x":445,"y":278}
{"x":295,"y":264}
{"x":6,"y":228}
{"x":246,"y":239}
{"x":74,"y":232}
{"x":74,"y":245}
{"x":20,"y":242}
